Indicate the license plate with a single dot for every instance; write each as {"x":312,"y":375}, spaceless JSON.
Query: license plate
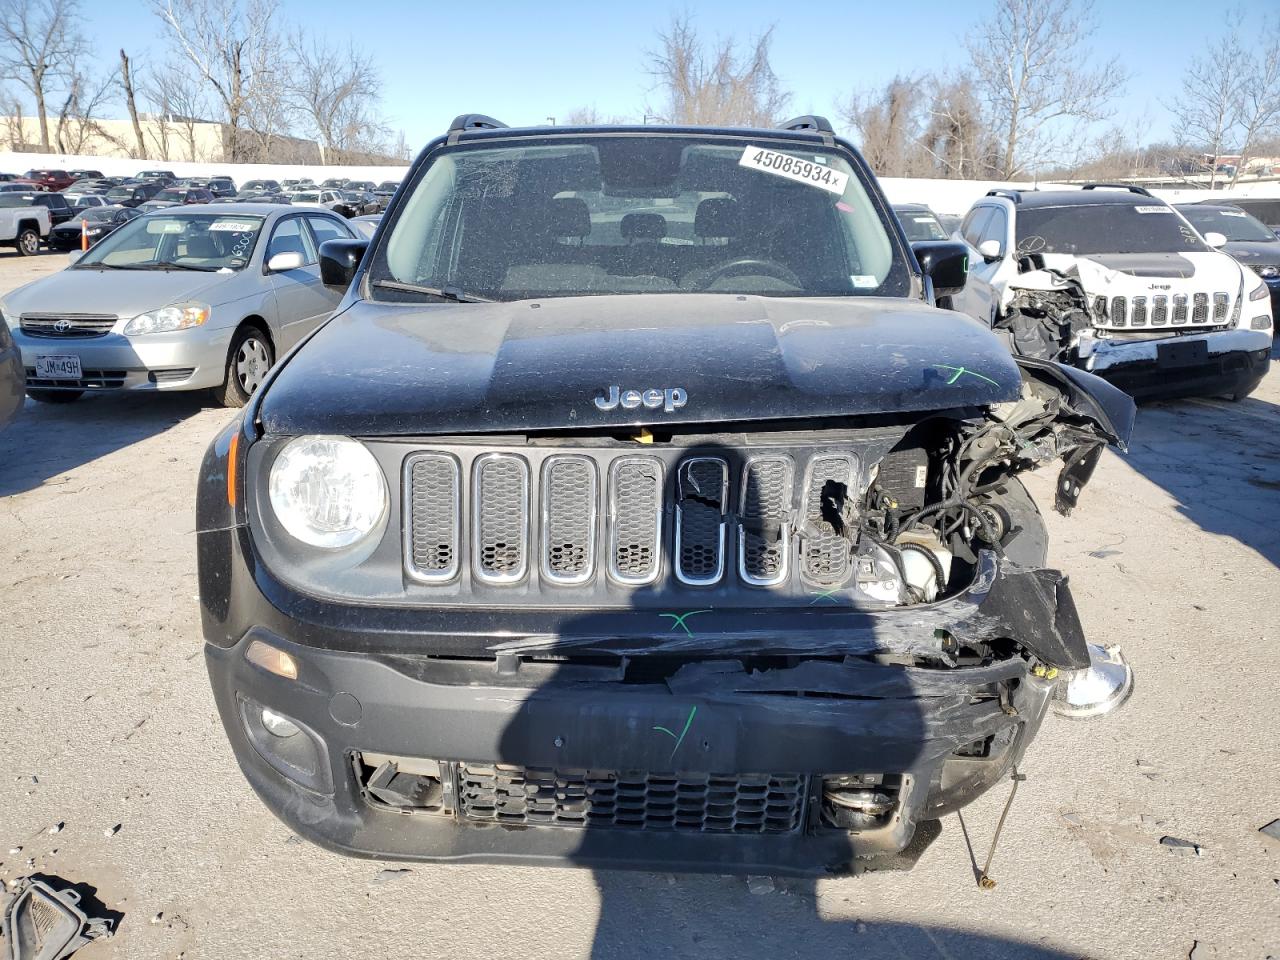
{"x":58,"y":368}
{"x":1185,"y":354}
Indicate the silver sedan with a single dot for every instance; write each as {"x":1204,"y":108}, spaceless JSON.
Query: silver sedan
{"x":190,"y":298}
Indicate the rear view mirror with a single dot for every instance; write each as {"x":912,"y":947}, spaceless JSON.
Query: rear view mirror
{"x":990,"y":250}
{"x":339,"y":260}
{"x":1215,"y":239}
{"x":290,"y":260}
{"x":945,"y":262}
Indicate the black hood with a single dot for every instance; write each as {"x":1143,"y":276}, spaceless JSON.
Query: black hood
{"x":1254,"y":251}
{"x":1168,"y":265}
{"x":392,"y":369}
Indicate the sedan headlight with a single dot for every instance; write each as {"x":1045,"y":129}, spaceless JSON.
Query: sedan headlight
{"x":179,"y":316}
{"x":328,"y":491}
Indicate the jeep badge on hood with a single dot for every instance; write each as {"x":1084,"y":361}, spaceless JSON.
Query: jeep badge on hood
{"x":669,"y":399}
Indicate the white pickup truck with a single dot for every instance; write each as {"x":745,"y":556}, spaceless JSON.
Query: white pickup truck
{"x":22,"y":226}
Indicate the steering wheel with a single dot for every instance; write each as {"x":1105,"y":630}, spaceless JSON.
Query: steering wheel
{"x":750,"y":265}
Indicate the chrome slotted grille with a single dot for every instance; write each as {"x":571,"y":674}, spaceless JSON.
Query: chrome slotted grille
{"x":825,"y":553}
{"x":1204,"y":308}
{"x":637,"y":800}
{"x":1118,"y":311}
{"x":1180,"y":308}
{"x":432,"y":502}
{"x":702,"y":494}
{"x":500,"y":518}
{"x":1221,"y":303}
{"x":1139,"y":316}
{"x":1160,"y":311}
{"x":569,"y":506}
{"x":58,"y":325}
{"x":1200,"y":308}
{"x":635,"y":510}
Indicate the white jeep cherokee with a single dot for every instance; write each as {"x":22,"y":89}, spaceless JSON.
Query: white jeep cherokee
{"x":1115,"y":281}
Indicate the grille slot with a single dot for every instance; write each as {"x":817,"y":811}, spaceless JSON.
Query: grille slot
{"x":688,"y":802}
{"x":1180,"y":308}
{"x":1139,"y":316}
{"x":80,"y":325}
{"x":825,"y":553}
{"x":500,"y":525}
{"x":1200,"y":308}
{"x":635,"y":519}
{"x":1160,"y":311}
{"x":432,"y":511}
{"x":1220,"y":304}
{"x":702,"y":493}
{"x":763,"y":535}
{"x":569,"y":510}
{"x":1118,"y":311}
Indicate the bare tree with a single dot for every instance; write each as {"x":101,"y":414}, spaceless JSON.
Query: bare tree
{"x":889,"y":126}
{"x":1031,"y":64}
{"x":235,"y":48}
{"x":336,"y":92}
{"x":179,"y":106}
{"x":13,"y":122}
{"x":1208,"y":110}
{"x":718,"y":85}
{"x":131,"y":104}
{"x":958,"y":136}
{"x":39,"y":48}
{"x":1260,"y":101}
{"x":78,"y":125}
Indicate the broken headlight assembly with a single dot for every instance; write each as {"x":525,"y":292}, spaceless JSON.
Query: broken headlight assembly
{"x":328,"y":492}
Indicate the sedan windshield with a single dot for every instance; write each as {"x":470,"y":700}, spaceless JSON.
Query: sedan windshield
{"x":626,"y":215}
{"x":178,"y":241}
{"x":1092,"y":228}
{"x":921,"y":225}
{"x":1232,"y":224}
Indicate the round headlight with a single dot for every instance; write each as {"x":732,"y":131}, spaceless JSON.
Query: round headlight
{"x":328,"y":491}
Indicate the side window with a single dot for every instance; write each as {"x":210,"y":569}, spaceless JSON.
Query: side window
{"x":997,"y":229}
{"x":290,"y":237}
{"x":975,"y":225}
{"x":326,"y":229}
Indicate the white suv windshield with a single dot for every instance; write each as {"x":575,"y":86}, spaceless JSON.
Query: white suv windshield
{"x":1094,"y":228}
{"x":617,"y":215}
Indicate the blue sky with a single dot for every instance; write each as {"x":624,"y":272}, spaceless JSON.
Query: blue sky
{"x":524,"y":62}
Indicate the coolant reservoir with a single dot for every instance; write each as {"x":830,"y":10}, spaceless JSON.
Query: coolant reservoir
{"x":920,"y":573}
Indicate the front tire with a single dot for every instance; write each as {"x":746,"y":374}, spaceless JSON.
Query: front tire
{"x":28,"y":242}
{"x":250,"y":357}
{"x":55,"y":396}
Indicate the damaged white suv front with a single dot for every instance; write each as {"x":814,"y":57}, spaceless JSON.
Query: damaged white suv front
{"x":1116,"y":282}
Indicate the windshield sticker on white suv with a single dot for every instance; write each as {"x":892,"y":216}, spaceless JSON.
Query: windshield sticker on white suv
{"x":1153,"y":208}
{"x":794,"y":168}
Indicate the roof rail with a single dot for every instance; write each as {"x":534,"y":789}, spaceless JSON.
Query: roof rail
{"x":472,"y":121}
{"x":1014,"y":195}
{"x":809,"y":122}
{"x":1118,"y":186}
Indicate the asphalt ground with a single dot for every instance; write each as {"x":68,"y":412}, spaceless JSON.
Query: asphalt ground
{"x":106,"y":719}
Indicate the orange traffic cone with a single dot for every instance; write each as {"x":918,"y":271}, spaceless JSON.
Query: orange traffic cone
{"x":84,"y":235}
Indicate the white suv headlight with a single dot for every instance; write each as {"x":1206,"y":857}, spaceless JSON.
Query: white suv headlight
{"x":179,"y":316}
{"x":328,"y":491}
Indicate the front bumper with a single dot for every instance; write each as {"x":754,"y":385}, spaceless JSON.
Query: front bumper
{"x":193,"y":359}
{"x":1234,"y":363}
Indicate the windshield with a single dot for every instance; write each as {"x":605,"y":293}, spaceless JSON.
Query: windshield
{"x":1232,"y":224}
{"x":178,"y":241}
{"x":616,"y":215}
{"x":306,"y":197}
{"x":120,"y":193}
{"x":1150,"y":227}
{"x":921,"y":225}
{"x":16,"y":200}
{"x":94,"y":214}
{"x":173,"y":194}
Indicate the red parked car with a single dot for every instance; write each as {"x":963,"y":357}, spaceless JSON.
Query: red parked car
{"x":48,"y":179}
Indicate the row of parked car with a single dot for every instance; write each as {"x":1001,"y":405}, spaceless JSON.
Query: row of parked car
{"x":1162,"y":300}
{"x":71,"y":209}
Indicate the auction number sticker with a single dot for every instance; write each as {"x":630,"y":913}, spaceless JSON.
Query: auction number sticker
{"x":794,"y":168}
{"x":1152,"y":208}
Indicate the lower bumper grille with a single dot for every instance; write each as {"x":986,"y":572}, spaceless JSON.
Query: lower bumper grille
{"x":92,"y":379}
{"x":699,"y":803}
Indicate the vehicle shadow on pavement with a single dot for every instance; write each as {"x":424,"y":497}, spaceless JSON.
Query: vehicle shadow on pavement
{"x":1220,"y":461}
{"x":47,"y":440}
{"x":653,"y":722}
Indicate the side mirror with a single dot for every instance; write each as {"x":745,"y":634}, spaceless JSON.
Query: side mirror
{"x":990,"y":250}
{"x":945,"y":262}
{"x":290,"y":260}
{"x":339,"y":260}
{"x":1215,"y":239}
{"x":73,"y":256}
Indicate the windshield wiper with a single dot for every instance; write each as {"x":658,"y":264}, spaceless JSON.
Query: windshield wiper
{"x":452,"y":294}
{"x":162,"y":265}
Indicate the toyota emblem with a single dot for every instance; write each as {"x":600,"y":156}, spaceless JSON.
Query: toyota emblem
{"x":62,"y":326}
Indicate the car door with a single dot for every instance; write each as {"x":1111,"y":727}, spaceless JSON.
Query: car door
{"x":329,"y":228}
{"x":1001,"y":269}
{"x":302,"y":301}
